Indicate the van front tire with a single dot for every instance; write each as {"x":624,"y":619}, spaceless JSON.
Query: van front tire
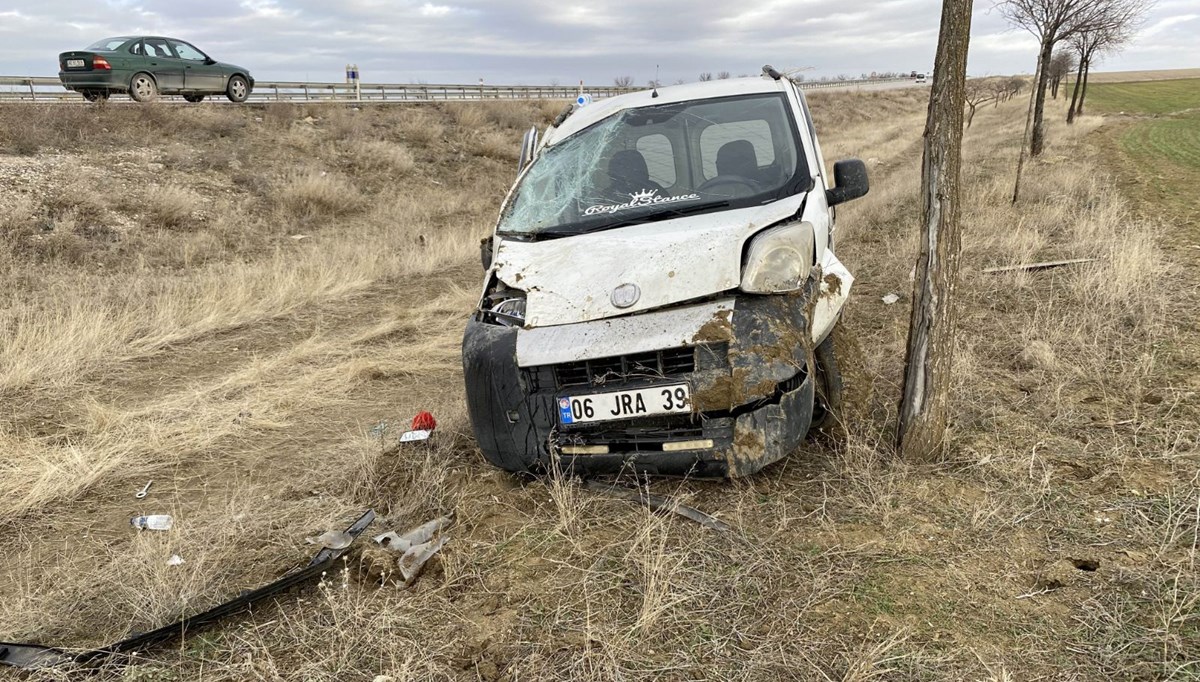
{"x":842,"y":388}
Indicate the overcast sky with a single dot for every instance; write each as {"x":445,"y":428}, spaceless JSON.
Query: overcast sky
{"x":563,"y":41}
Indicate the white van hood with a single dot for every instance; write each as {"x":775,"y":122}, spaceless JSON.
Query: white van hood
{"x":571,"y":279}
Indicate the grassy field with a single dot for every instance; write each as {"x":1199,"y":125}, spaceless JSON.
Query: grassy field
{"x":1150,"y":97}
{"x":1138,"y":76}
{"x":1159,"y":140}
{"x":235,"y":301}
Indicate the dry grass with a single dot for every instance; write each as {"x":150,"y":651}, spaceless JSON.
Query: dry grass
{"x":318,"y":194}
{"x":170,"y":206}
{"x":251,"y":375}
{"x":388,"y":157}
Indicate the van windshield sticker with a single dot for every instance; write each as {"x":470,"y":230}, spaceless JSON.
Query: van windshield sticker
{"x":638,"y":200}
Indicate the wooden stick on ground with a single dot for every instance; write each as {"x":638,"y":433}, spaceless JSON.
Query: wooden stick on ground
{"x":1045,"y":265}
{"x":660,"y":503}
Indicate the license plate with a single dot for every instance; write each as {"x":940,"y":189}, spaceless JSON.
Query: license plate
{"x":642,"y":402}
{"x":74,"y":63}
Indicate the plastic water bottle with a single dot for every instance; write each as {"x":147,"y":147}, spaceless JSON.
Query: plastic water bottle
{"x":152,"y":522}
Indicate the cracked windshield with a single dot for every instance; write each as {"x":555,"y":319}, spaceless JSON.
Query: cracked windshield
{"x":659,"y":162}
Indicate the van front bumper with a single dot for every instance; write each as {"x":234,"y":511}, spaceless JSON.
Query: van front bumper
{"x":746,"y":367}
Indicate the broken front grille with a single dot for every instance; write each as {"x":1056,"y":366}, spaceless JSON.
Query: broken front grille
{"x":647,"y":435}
{"x":619,"y":369}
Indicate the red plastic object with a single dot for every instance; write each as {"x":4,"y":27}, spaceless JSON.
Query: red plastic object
{"x":424,"y":421}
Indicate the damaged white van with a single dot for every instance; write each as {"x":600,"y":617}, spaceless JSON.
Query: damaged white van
{"x":661,"y":287}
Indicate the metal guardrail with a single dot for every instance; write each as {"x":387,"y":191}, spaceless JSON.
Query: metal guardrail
{"x":49,"y":89}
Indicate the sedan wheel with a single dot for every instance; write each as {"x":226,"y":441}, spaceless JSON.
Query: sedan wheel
{"x":143,"y":88}
{"x":238,"y":89}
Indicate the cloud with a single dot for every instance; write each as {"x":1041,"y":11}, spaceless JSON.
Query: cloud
{"x":536,"y":41}
{"x":431,"y":10}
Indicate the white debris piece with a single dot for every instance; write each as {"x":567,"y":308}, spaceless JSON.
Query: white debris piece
{"x":417,"y":546}
{"x":175,"y":560}
{"x":410,"y":436}
{"x":332,"y":539}
{"x":414,"y":559}
{"x":419,"y":535}
{"x":890,"y":299}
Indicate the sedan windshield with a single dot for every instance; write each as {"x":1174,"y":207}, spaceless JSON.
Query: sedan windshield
{"x":108,"y":44}
{"x":658,"y":162}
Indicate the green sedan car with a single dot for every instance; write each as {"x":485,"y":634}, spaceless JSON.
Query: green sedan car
{"x":149,"y":66}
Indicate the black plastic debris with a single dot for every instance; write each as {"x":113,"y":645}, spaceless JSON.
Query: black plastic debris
{"x":36,"y":656}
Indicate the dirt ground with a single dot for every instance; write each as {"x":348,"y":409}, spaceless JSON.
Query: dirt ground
{"x":248,"y":304}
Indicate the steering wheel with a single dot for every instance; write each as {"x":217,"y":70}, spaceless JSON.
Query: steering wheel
{"x":721,"y":180}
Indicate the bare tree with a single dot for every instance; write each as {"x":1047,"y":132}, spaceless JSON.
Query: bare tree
{"x":1051,"y":21}
{"x":923,"y":413}
{"x":706,"y":76}
{"x":1061,"y":65}
{"x":1109,"y":35}
{"x":1015,"y":85}
{"x":623,"y":81}
{"x":1002,"y":89}
{"x":977,"y":91}
{"x":679,"y":81}
{"x":999,"y":90}
{"x":723,"y":75}
{"x":654,"y":83}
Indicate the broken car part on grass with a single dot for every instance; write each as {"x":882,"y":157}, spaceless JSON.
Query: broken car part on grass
{"x":36,"y":656}
{"x":416,"y":547}
{"x":661,"y":288}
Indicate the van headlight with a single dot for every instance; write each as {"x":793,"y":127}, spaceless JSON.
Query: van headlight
{"x":778,"y":259}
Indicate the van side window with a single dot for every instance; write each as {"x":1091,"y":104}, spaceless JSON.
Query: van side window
{"x":714,"y":137}
{"x":660,"y":158}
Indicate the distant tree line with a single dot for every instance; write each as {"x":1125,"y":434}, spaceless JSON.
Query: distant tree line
{"x":1088,"y":28}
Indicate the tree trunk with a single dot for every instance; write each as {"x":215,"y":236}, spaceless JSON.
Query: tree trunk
{"x":1075,"y":91}
{"x":1025,"y":139}
{"x":1054,"y":87}
{"x":970,"y":114}
{"x":1039,"y":105}
{"x":921,"y":431}
{"x":1083,"y":93}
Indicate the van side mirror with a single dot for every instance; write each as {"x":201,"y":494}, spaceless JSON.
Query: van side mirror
{"x":485,"y":251}
{"x":850,"y":176}
{"x":528,"y":149}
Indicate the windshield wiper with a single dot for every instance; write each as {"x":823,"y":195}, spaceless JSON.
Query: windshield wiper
{"x":572,"y":230}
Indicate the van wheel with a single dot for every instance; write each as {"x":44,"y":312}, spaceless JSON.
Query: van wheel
{"x":142,"y":87}
{"x":841,"y":387}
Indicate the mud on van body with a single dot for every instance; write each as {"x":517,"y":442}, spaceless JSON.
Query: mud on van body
{"x":661,"y":288}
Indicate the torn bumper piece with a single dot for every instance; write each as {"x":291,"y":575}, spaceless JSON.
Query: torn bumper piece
{"x":744,"y":362}
{"x":36,"y":656}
